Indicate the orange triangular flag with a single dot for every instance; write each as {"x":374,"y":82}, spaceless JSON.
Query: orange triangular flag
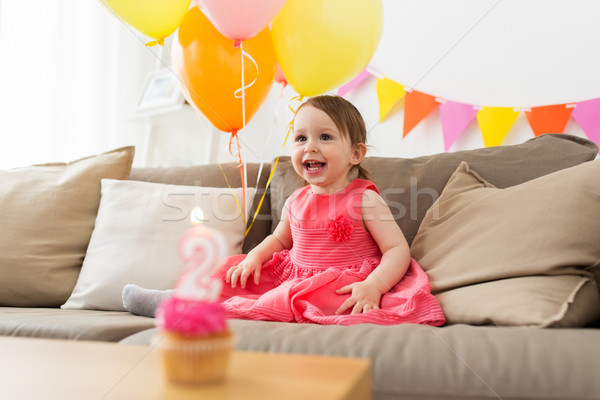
{"x":548,"y":119}
{"x":417,"y":106}
{"x":389,"y":93}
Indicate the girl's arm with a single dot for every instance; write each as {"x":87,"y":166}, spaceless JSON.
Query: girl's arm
{"x":395,"y":259}
{"x":280,"y":239}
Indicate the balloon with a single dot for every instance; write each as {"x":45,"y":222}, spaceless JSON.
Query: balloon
{"x":209,"y":67}
{"x":240,"y":19}
{"x":279,"y":77}
{"x":322,"y":44}
{"x":154,"y":18}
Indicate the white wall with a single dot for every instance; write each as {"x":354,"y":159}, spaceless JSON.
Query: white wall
{"x":507,"y":53}
{"x":70,"y":74}
{"x":485,"y":52}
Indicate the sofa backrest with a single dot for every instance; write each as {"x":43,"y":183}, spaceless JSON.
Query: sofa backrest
{"x":411,"y":185}
{"x":223,"y":176}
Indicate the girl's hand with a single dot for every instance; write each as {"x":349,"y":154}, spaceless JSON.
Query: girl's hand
{"x":364,"y":297}
{"x":242,"y":271}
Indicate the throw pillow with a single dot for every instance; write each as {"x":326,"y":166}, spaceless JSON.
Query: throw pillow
{"x":47,"y":215}
{"x":411,"y":185}
{"x":516,"y":256}
{"x":221,"y":176}
{"x":136,"y":237}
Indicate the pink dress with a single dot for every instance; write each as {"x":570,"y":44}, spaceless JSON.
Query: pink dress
{"x":330,"y":250}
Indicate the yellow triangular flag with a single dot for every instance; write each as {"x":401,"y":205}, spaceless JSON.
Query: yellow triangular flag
{"x":495,"y":122}
{"x":389,"y":93}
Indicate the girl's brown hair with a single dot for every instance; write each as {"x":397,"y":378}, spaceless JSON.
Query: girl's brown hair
{"x":347,"y":119}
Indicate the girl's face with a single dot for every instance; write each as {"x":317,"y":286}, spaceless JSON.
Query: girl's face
{"x":323,"y":155}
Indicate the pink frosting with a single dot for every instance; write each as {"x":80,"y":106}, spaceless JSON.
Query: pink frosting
{"x":190,"y":317}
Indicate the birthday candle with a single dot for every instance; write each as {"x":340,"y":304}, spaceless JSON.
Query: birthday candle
{"x":202,"y":249}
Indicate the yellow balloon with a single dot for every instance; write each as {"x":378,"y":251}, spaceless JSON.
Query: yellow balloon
{"x":322,"y":44}
{"x":154,"y":18}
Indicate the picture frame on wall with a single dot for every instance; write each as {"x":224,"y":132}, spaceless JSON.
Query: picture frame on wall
{"x":160,"y":93}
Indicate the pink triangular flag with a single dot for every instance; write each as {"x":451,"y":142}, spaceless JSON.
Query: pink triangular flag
{"x":360,"y":78}
{"x":455,"y":119}
{"x":587,"y":115}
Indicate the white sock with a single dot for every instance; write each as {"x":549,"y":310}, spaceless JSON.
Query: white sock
{"x":142,"y":301}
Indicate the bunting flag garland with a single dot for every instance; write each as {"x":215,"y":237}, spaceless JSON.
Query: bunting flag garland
{"x":548,"y":119}
{"x":587,"y":115}
{"x":389,"y":93}
{"x":495,"y":122}
{"x":417,"y":105}
{"x":455,"y":118}
{"x":360,"y":78}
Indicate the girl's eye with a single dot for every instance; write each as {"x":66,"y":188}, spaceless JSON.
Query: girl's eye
{"x":325,"y":136}
{"x":300,"y":138}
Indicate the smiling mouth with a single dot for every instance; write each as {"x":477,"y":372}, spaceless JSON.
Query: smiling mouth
{"x":313,"y":165}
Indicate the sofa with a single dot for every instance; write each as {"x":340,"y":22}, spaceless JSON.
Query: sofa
{"x":520,"y":295}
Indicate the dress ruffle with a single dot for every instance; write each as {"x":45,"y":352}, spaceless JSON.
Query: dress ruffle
{"x":289,"y":293}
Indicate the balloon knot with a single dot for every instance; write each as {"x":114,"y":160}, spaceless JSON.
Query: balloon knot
{"x":235,"y":138}
{"x":159,"y":41}
{"x":236,"y":44}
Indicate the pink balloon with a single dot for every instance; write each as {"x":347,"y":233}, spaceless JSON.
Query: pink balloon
{"x":240,"y":19}
{"x":279,"y":77}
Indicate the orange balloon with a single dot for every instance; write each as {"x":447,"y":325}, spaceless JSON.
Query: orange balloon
{"x":209,"y":66}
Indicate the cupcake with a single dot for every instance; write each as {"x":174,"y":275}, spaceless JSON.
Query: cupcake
{"x":194,"y":340}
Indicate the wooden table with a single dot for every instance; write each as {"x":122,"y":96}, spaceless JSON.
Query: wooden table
{"x":60,"y":369}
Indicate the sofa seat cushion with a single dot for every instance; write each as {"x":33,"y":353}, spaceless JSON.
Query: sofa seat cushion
{"x":459,"y":361}
{"x":54,"y":323}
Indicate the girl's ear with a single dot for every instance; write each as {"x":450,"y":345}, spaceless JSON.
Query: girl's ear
{"x":358,"y":153}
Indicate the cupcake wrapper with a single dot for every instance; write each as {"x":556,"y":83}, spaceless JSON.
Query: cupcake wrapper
{"x":194,"y":361}
{"x":163,"y":342}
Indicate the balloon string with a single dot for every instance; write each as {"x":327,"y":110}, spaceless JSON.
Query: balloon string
{"x":239,"y":93}
{"x":230,"y":145}
{"x":290,"y":126}
{"x":243,"y":170}
{"x":298,"y":98}
{"x":268,"y":141}
{"x":239,"y":207}
{"x":242,"y":167}
{"x":238,"y":153}
{"x":159,"y":41}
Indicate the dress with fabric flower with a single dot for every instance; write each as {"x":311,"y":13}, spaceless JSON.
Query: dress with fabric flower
{"x":331,"y":249}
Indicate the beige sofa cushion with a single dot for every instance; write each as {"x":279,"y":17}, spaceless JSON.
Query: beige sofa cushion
{"x":136,"y":237}
{"x":47,"y":215}
{"x":418,"y":362}
{"x":411,"y":185}
{"x":54,"y":323}
{"x":515,"y":256}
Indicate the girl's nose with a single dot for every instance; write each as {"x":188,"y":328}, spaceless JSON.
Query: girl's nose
{"x":310,"y":147}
